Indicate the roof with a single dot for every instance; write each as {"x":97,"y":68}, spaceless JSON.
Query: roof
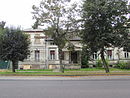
{"x":76,"y":38}
{"x":33,"y":30}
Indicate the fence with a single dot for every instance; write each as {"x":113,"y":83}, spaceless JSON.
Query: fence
{"x":4,"y":64}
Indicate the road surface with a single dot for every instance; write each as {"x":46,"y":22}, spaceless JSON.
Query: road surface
{"x":65,"y":87}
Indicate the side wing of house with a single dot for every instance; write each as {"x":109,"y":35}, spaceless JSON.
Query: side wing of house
{"x":112,"y":55}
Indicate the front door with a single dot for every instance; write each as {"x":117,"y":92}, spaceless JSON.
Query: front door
{"x":74,"y":57}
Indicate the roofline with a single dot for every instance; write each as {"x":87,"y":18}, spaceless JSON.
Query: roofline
{"x":32,"y":31}
{"x":69,"y":40}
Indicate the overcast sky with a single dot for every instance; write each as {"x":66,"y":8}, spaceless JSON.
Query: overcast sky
{"x":17,"y":12}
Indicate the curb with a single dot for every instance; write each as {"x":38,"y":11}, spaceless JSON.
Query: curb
{"x":66,"y":75}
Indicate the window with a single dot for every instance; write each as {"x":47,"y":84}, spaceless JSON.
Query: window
{"x":126,"y":54}
{"x":109,"y":54}
{"x":62,"y":56}
{"x":52,"y":54}
{"x":95,"y":56}
{"x":37,"y":55}
{"x":37,"y":39}
{"x":52,"y":43}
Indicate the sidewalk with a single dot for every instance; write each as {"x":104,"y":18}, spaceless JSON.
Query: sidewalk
{"x":78,"y":74}
{"x":63,"y":78}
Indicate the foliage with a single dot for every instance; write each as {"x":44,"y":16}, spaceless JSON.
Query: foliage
{"x":85,"y":58}
{"x":105,"y":23}
{"x":35,"y":26}
{"x":84,"y":62}
{"x":70,"y":46}
{"x":14,"y":46}
{"x":60,"y":20}
{"x":99,"y":63}
{"x":122,"y":65}
{"x":2,"y":24}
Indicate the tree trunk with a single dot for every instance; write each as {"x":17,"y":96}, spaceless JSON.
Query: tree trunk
{"x":13,"y":65}
{"x":118,"y":54}
{"x":104,"y":61}
{"x":69,"y":57}
{"x":60,"y":58}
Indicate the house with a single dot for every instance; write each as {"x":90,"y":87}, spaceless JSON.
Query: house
{"x":112,"y":55}
{"x":44,"y":53}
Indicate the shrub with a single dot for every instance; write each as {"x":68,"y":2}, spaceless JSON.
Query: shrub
{"x":84,"y":62}
{"x":122,"y":65}
{"x":99,"y":63}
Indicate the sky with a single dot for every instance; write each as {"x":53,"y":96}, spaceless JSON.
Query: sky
{"x":18,"y":12}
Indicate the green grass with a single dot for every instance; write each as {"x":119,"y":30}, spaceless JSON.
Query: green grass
{"x":82,"y":69}
{"x":35,"y":70}
{"x":41,"y":73}
{"x":61,"y":74}
{"x":97,"y":69}
{"x":85,"y":69}
{"x":75,"y":72}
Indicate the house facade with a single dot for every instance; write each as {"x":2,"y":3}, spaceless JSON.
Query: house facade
{"x":112,"y":55}
{"x":44,"y":53}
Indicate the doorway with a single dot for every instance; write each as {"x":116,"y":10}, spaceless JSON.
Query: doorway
{"x":74,"y":56}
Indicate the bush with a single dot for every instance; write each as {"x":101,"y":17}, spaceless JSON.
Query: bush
{"x":122,"y":65}
{"x":84,"y":62}
{"x":99,"y":63}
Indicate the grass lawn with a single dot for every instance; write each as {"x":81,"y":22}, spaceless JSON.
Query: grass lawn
{"x":35,"y":70}
{"x":82,"y":69}
{"x":68,"y":72}
{"x":61,"y":74}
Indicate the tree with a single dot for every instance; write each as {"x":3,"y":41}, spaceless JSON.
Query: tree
{"x":35,"y":25}
{"x":59,"y":18}
{"x":104,"y":25}
{"x":85,"y":58}
{"x":14,"y":46}
{"x":2,"y":24}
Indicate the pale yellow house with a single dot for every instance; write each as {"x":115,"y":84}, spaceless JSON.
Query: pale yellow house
{"x":44,"y":53}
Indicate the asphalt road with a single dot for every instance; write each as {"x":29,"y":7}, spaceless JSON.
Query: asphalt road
{"x":65,"y":87}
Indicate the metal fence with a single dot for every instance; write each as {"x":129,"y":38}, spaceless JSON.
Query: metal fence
{"x":4,"y":64}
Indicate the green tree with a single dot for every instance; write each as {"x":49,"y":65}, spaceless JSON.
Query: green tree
{"x":85,"y":58}
{"x":60,"y":20}
{"x":104,"y":25}
{"x":35,"y":25}
{"x":14,"y":46}
{"x":2,"y":24}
